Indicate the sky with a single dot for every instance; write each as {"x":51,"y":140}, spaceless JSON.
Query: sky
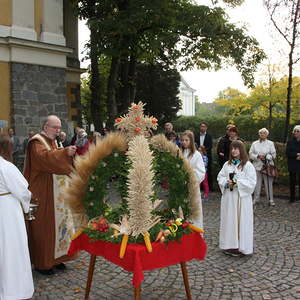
{"x":208,"y":84}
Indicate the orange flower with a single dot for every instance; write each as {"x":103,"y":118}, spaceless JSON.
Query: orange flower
{"x":154,"y":121}
{"x":136,"y":106}
{"x":137,"y":129}
{"x":118,"y":120}
{"x":137,"y":119}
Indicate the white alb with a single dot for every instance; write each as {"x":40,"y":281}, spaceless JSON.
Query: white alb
{"x":236,"y":225}
{"x":15,"y":267}
{"x":197,"y":164}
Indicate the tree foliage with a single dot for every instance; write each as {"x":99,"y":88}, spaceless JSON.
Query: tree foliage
{"x":235,"y":102}
{"x":257,"y":104}
{"x":285,"y":16}
{"x":178,"y":33}
{"x":158,"y":86}
{"x":261,"y":100}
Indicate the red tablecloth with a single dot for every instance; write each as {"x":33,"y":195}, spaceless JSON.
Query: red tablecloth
{"x":137,"y":258}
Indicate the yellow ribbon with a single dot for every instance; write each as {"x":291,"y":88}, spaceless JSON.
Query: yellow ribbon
{"x":173,"y":228}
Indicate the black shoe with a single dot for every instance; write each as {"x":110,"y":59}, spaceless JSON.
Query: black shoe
{"x":228,"y":252}
{"x":232,"y":252}
{"x":61,"y":266}
{"x":45,"y":272}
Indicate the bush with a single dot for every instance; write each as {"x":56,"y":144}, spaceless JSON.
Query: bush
{"x":280,"y":162}
{"x":248,"y":129}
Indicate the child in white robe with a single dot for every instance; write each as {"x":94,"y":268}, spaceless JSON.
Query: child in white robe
{"x":237,"y":181}
{"x":190,"y":152}
{"x":15,"y":268}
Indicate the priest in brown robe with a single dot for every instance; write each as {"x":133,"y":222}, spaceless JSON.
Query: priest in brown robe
{"x":44,"y":162}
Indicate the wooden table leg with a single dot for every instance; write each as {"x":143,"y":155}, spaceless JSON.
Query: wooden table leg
{"x":137,"y":293}
{"x":90,"y":276}
{"x":186,"y":280}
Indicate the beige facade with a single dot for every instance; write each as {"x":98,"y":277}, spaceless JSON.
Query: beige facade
{"x":5,"y":91}
{"x":5,"y":12}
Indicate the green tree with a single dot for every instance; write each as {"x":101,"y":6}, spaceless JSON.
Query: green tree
{"x":204,"y":110}
{"x":265,"y":96}
{"x":285,"y":17}
{"x":177,"y":32}
{"x":86,"y":94}
{"x":85,"y":98}
{"x":157,"y":85}
{"x":235,"y":102}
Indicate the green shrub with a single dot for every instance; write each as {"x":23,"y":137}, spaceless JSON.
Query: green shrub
{"x":248,"y":129}
{"x":280,"y":162}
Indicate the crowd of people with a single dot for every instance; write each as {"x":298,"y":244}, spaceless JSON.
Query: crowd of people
{"x":49,"y":156}
{"x":80,"y":139}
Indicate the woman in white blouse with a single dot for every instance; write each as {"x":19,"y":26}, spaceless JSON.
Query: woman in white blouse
{"x":263,"y":151}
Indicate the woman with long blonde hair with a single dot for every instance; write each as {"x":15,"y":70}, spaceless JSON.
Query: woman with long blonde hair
{"x":191,"y":153}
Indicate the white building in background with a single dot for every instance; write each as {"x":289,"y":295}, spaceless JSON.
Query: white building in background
{"x":187,"y":97}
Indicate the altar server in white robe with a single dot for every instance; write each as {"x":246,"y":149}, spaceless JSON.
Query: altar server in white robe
{"x":237,"y":181}
{"x":15,"y":267}
{"x":191,"y":153}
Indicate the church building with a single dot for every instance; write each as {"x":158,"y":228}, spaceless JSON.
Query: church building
{"x":39,"y":65}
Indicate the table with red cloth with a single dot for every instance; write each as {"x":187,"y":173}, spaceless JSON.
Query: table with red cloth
{"x":137,"y":259}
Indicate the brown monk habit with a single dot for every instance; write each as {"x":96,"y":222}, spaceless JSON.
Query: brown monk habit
{"x":39,"y":166}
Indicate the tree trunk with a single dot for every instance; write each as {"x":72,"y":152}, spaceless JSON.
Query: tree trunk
{"x":270,"y":116}
{"x":132,"y":79}
{"x":288,"y":97}
{"x":95,"y":80}
{"x":270,"y":97}
{"x":286,"y":32}
{"x":124,"y":69}
{"x":111,"y":91}
{"x":128,"y":79}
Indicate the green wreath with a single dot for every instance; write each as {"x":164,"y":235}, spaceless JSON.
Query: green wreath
{"x":115,"y":167}
{"x":138,"y":173}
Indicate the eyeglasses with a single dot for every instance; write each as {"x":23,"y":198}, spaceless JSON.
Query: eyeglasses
{"x":297,"y":130}
{"x":54,"y":127}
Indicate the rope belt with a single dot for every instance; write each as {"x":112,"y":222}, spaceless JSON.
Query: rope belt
{"x":4,"y":194}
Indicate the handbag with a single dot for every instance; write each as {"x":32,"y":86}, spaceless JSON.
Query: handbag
{"x":269,"y":170}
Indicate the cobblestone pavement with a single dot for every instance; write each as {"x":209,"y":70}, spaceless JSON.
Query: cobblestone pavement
{"x":273,"y":272}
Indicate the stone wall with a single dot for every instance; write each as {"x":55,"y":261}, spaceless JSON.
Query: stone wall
{"x":36,"y":91}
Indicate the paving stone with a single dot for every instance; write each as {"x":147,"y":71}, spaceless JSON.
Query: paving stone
{"x":272,"y":272}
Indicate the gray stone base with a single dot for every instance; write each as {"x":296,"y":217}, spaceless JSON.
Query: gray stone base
{"x":36,"y":91}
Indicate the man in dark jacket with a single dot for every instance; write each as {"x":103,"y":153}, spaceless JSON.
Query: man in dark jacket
{"x":202,"y":138}
{"x":293,"y":156}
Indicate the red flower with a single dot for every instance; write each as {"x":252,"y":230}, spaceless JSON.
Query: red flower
{"x":137,"y":129}
{"x":136,"y":106}
{"x":94,"y":225}
{"x":154,"y":121}
{"x":118,"y":120}
{"x":185,"y":225}
{"x":102,"y":221}
{"x":138,"y":119}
